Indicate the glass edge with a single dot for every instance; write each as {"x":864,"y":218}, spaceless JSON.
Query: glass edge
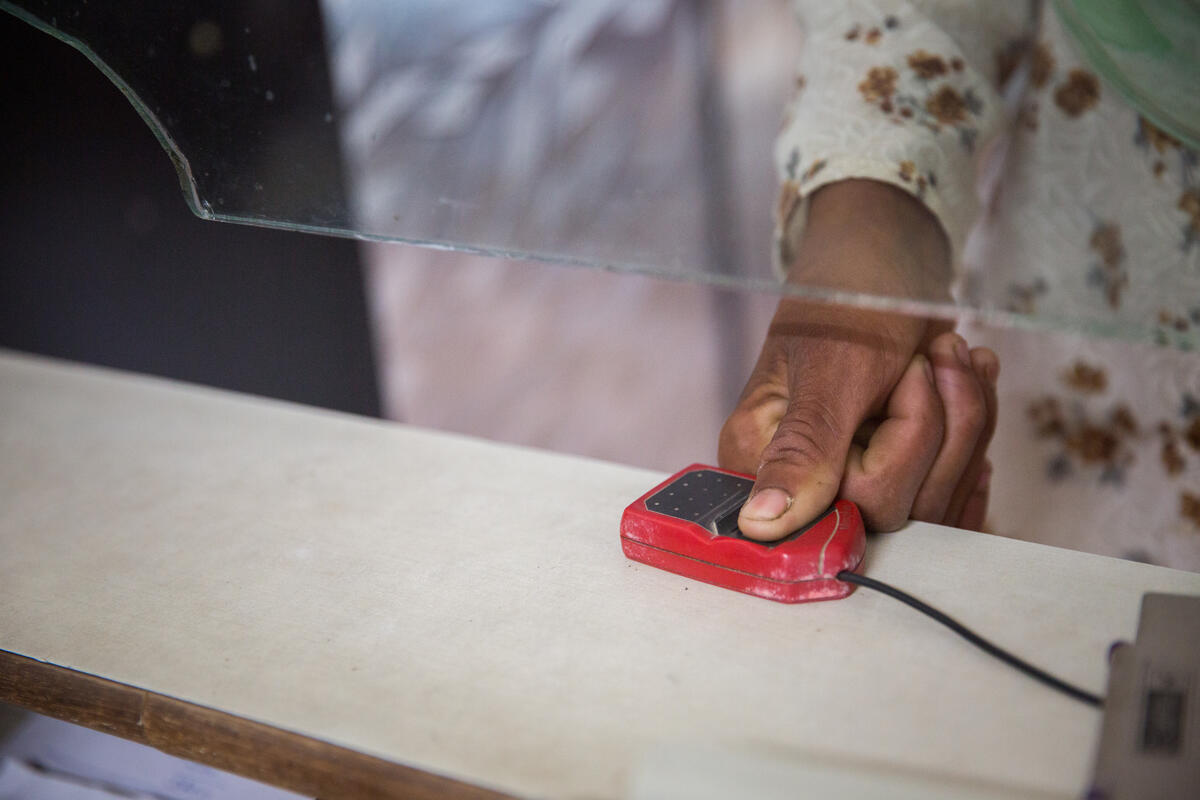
{"x":949,"y":311}
{"x":179,"y":160}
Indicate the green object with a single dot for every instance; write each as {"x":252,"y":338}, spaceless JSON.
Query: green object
{"x":1149,"y":51}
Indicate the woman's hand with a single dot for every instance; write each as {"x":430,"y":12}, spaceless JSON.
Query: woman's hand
{"x":892,"y":412}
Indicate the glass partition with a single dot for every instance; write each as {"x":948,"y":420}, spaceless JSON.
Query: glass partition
{"x":629,"y":135}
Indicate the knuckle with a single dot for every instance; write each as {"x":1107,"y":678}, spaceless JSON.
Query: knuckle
{"x":884,"y":515}
{"x":730,"y":429}
{"x":739,"y":433}
{"x":741,"y":440}
{"x":886,"y":500}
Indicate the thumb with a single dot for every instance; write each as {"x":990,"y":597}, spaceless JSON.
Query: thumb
{"x":801,"y":468}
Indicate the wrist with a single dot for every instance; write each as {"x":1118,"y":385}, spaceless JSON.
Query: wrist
{"x":870,"y":237}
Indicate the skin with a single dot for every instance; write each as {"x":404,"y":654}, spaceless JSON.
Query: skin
{"x":890,"y":411}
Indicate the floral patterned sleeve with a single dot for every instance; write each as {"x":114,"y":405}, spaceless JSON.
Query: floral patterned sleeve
{"x":899,"y":91}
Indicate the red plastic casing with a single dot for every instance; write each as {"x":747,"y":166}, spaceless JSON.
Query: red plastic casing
{"x":798,"y":570}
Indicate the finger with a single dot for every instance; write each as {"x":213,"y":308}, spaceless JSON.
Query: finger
{"x":748,"y":430}
{"x":961,"y":393}
{"x":801,"y":468}
{"x":974,"y":513}
{"x":760,"y":407}
{"x":883,"y":479}
{"x":987,"y":367}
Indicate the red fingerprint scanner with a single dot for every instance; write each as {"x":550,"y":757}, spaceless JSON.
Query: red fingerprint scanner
{"x":688,"y":525}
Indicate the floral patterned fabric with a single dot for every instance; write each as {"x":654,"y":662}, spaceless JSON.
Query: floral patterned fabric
{"x":1058,"y":198}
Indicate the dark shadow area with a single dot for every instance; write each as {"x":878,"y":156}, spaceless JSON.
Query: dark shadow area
{"x":101,"y":261}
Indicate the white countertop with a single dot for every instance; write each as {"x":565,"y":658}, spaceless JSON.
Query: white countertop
{"x":464,"y":607}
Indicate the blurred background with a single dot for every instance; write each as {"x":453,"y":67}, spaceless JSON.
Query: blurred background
{"x":104,"y":263}
{"x":635,"y":134}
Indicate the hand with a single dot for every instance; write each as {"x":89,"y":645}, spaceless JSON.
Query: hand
{"x":879,"y":408}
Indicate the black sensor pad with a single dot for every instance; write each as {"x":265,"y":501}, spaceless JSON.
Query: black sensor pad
{"x":712,"y":500}
{"x":706,"y":497}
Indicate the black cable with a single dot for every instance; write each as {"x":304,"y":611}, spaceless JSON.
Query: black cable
{"x":974,"y":638}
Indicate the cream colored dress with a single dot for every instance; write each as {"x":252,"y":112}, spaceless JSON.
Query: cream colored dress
{"x":1059,"y":199}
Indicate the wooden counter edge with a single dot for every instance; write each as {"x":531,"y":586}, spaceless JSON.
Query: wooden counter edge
{"x":251,"y":749}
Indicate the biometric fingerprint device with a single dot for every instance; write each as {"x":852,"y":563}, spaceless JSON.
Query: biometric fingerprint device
{"x":688,"y":525}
